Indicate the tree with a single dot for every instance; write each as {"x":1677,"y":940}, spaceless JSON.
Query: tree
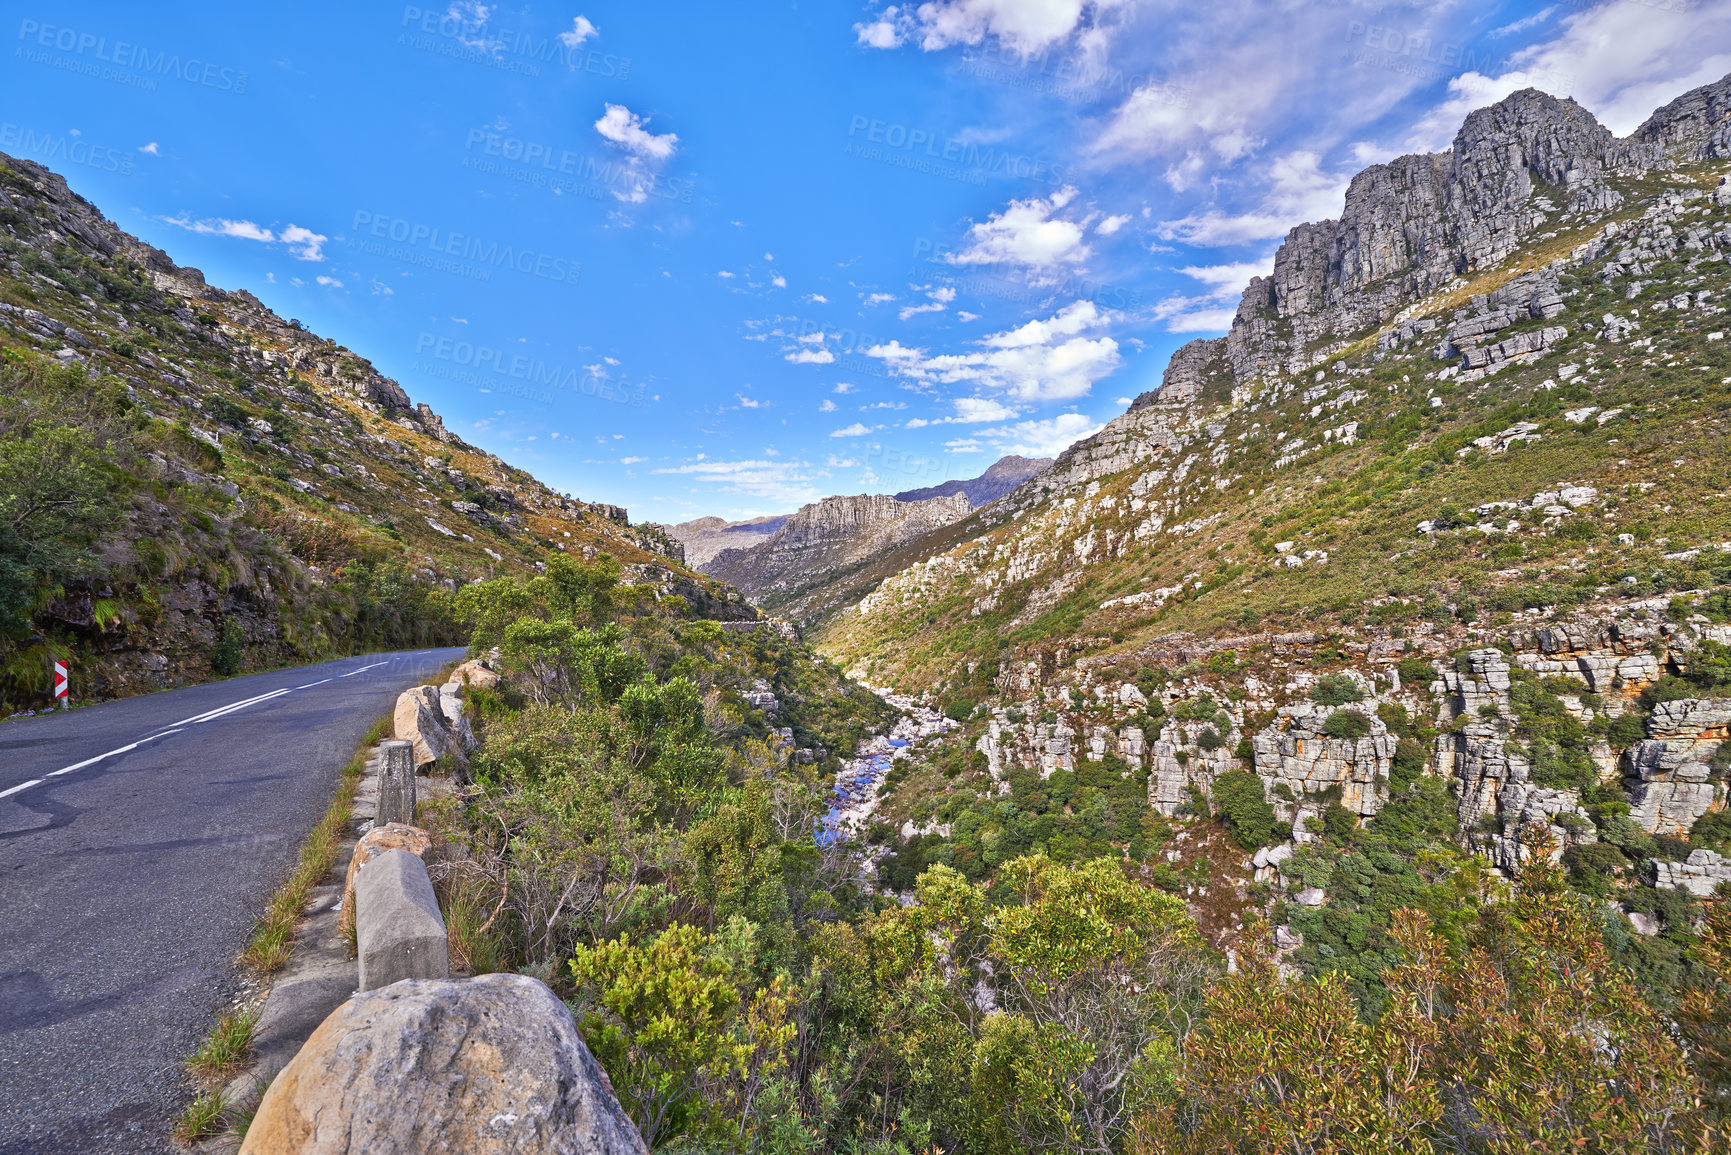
{"x":1242,"y":806}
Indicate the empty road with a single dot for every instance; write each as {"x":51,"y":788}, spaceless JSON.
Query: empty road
{"x":137,"y":839}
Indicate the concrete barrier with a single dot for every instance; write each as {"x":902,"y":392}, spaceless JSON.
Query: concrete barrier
{"x":396,"y":783}
{"x":399,"y":931}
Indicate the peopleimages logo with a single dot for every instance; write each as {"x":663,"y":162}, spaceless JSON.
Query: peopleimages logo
{"x":486,"y":367}
{"x":93,"y":49}
{"x":59,"y":151}
{"x":930,"y":147}
{"x":563,"y":169}
{"x":459,"y":253}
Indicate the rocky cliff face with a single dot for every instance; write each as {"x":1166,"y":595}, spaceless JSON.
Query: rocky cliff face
{"x":796,"y":563}
{"x":705,"y":537}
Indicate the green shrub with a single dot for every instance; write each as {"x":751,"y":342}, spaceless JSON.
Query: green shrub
{"x":1241,"y":805}
{"x":1335,"y":690}
{"x":1210,"y":739}
{"x":1416,"y":673}
{"x":230,"y":649}
{"x":1410,"y":760}
{"x":1350,"y":725}
{"x":1625,"y":730}
{"x":1713,"y":830}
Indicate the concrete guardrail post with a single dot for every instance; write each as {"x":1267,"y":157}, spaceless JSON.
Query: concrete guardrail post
{"x":398,"y":929}
{"x":396,"y":783}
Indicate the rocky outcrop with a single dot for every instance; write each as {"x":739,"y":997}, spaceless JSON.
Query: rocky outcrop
{"x":829,"y":535}
{"x":1294,"y":752}
{"x":1701,"y":874}
{"x":486,"y":1066}
{"x":1695,"y":126}
{"x":1667,"y":775}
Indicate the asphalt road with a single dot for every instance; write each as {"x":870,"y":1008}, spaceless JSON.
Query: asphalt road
{"x":137,"y":839}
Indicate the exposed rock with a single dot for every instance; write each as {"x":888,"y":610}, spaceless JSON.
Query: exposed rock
{"x":1002,"y":476}
{"x":705,"y":537}
{"x":1294,"y":752}
{"x":474,"y":673}
{"x":419,"y":718}
{"x":487,"y":1065}
{"x":1667,"y":774}
{"x":1702,"y":873}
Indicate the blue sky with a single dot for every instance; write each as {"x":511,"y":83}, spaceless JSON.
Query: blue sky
{"x":701,"y":258}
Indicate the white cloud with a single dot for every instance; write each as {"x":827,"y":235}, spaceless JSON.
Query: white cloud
{"x":788,"y":483}
{"x":915,"y":423}
{"x":329,"y":282}
{"x":1042,"y":360}
{"x":880,"y":298}
{"x":963,"y":445}
{"x":632,"y":460}
{"x":302,"y":243}
{"x":937,"y":300}
{"x":817,"y":298}
{"x":844,"y":387}
{"x":1112,"y":224}
{"x":1045,"y":438}
{"x":977,"y":410}
{"x":1022,"y":26}
{"x":778,"y":281}
{"x":150,"y":148}
{"x":581,"y":30}
{"x":1027,"y":236}
{"x":1299,"y":190}
{"x":811,"y":357}
{"x":827,"y":406}
{"x":811,"y":339}
{"x":748,"y":402}
{"x":1621,"y":61}
{"x":857,"y":429}
{"x":626,"y":129}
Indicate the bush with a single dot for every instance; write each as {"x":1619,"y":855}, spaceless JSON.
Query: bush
{"x":1210,"y":739}
{"x":1244,"y":809}
{"x":1335,"y":690}
{"x":1625,"y":730}
{"x":1416,"y":673}
{"x":1350,"y":725}
{"x":1409,"y":763}
{"x":1713,"y":830}
{"x":230,"y":650}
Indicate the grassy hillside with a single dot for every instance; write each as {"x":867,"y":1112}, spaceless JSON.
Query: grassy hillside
{"x":191,"y":485}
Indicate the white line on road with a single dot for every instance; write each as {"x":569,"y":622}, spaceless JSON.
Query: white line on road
{"x":230,"y":708}
{"x":310,"y":685}
{"x":362,"y":670}
{"x":21,"y":786}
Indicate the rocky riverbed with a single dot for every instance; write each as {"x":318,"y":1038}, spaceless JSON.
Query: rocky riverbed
{"x":855,"y":797}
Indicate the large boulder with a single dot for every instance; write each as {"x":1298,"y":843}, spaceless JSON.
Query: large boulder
{"x":474,"y":673}
{"x":420,"y":719}
{"x":482,"y":1066}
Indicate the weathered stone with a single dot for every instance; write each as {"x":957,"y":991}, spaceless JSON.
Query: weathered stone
{"x":1667,"y":775}
{"x":399,"y":932}
{"x":420,"y":719}
{"x":473,"y":673}
{"x":493,"y":1065}
{"x":393,"y":836}
{"x":396,"y":783}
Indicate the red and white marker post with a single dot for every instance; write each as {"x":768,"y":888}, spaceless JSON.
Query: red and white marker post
{"x":60,"y":683}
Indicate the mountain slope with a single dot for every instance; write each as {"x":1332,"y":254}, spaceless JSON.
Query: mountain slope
{"x":247,"y":493}
{"x":1334,"y":412}
{"x":704,"y":537}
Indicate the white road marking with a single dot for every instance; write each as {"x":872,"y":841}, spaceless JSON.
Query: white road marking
{"x":207,"y":716}
{"x":230,"y":708}
{"x":362,"y":670}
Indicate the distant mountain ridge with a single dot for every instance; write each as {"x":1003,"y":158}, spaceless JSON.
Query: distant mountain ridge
{"x":1004,"y":475}
{"x":704,"y":537}
{"x":805,"y":564}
